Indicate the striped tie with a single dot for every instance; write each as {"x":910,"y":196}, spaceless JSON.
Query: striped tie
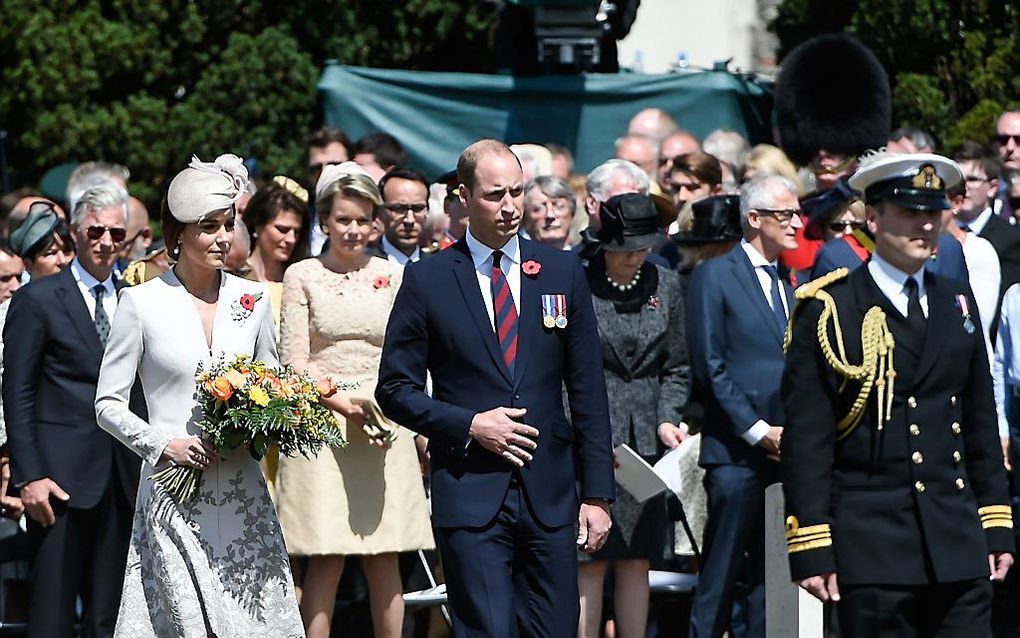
{"x":505,"y":312}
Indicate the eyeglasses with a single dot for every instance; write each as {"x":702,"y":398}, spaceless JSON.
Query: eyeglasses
{"x":558,"y":205}
{"x":401,"y":209}
{"x":974,"y":179}
{"x":847,"y":225}
{"x":116,"y":234}
{"x":1003,"y":139}
{"x":782,"y":215}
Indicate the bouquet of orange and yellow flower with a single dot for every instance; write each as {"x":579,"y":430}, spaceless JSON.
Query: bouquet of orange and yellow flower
{"x":248,"y":403}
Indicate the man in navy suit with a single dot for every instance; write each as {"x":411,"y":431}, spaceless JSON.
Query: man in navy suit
{"x":737,"y":312}
{"x":502,"y":324}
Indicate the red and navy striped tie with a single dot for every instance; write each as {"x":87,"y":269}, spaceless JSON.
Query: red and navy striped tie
{"x":505,"y":312}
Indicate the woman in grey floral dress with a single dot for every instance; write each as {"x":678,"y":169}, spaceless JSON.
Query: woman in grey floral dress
{"x":216,"y":566}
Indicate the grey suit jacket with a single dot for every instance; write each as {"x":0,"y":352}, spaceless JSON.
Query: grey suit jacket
{"x":645,"y":358}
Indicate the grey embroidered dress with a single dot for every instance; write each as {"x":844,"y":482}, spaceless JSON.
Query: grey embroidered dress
{"x":217,"y":566}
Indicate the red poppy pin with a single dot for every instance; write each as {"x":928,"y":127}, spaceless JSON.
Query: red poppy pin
{"x":242,"y":308}
{"x":531,"y":268}
{"x":654,"y":302}
{"x":381,"y":282}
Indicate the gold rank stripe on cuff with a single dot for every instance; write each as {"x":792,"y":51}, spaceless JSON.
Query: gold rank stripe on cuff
{"x":799,"y":539}
{"x":803,"y":546}
{"x":996,"y":516}
{"x":795,"y":532}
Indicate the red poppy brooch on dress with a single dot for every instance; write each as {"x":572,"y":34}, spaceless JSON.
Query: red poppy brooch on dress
{"x":531,"y":268}
{"x":242,"y":308}
{"x":381,"y":282}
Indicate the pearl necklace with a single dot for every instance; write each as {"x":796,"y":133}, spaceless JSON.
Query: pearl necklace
{"x":625,"y":287}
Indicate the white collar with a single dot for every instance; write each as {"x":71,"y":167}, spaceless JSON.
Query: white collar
{"x":757,"y":259}
{"x":891,"y":279}
{"x":86,"y":279}
{"x":480,"y":253}
{"x":394,"y":252}
{"x":978,"y":223}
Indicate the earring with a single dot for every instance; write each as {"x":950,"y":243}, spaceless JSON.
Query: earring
{"x":175,"y":254}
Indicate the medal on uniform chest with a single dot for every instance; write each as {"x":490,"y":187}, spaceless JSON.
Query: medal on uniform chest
{"x":548,"y":311}
{"x":554,"y":311}
{"x":561,"y":311}
{"x":963,"y":305}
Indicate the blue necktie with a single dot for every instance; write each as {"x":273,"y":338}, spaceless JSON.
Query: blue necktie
{"x":778,"y":311}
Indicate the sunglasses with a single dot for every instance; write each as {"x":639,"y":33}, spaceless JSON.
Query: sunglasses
{"x":116,"y":234}
{"x":1002,"y":139}
{"x":849,"y":224}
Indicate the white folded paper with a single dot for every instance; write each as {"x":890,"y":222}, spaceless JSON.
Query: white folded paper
{"x":636,"y":476}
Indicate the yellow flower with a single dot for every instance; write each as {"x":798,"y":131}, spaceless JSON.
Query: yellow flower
{"x":259,"y":396}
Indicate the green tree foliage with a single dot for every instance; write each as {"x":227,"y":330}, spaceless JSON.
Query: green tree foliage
{"x":147,"y":84}
{"x":954,"y":65}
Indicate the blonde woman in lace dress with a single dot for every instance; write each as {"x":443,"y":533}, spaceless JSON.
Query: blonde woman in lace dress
{"x":215,"y":566}
{"x":368,"y":499}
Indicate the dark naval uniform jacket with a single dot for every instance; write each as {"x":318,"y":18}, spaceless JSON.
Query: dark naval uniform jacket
{"x":924,"y":499}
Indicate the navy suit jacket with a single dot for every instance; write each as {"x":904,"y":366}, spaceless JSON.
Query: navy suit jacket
{"x":948,"y":261}
{"x":52,"y":356}
{"x":439,"y":323}
{"x":736,"y":352}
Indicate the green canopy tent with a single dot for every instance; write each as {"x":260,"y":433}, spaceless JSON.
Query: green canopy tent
{"x":436,"y":115}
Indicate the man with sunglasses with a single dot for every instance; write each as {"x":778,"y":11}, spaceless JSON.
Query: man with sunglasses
{"x":896,"y":495}
{"x":1007,"y":143}
{"x":76,"y":482}
{"x":405,"y":210}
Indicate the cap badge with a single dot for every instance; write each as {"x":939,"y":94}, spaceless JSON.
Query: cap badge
{"x":927,"y":179}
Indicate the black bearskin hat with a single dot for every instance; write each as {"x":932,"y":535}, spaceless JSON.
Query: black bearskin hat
{"x":832,"y":93}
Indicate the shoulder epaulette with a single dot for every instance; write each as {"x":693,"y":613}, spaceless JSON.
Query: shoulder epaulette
{"x":877,"y":344}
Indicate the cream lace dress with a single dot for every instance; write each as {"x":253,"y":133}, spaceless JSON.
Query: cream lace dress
{"x":363,"y":499}
{"x":216,"y":566}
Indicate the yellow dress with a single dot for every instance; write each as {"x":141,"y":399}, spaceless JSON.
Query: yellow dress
{"x":364,"y":499}
{"x":271,"y":461}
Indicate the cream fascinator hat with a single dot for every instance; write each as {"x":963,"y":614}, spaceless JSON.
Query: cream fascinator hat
{"x":334,"y":172}
{"x":206,"y":187}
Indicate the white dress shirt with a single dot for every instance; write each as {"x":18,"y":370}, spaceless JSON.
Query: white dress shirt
{"x":397,"y":257}
{"x":978,"y":224}
{"x":892,"y":282}
{"x":481,"y":256}
{"x":86,"y":282}
{"x":985,"y":275}
{"x":764,"y":278}
{"x":1006,"y":365}
{"x":757,"y":432}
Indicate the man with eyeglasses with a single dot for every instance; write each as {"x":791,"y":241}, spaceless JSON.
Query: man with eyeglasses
{"x":976,"y":215}
{"x":737,"y":310}
{"x":77,"y":484}
{"x":405,"y":210}
{"x":896,"y":495}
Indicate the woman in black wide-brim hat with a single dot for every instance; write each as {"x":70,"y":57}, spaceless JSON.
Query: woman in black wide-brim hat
{"x":640,"y":313}
{"x":712,"y":230}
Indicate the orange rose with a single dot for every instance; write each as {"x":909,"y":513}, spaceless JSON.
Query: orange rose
{"x":285,"y":389}
{"x":235,"y":378}
{"x":325,"y":388}
{"x":222,"y":389}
